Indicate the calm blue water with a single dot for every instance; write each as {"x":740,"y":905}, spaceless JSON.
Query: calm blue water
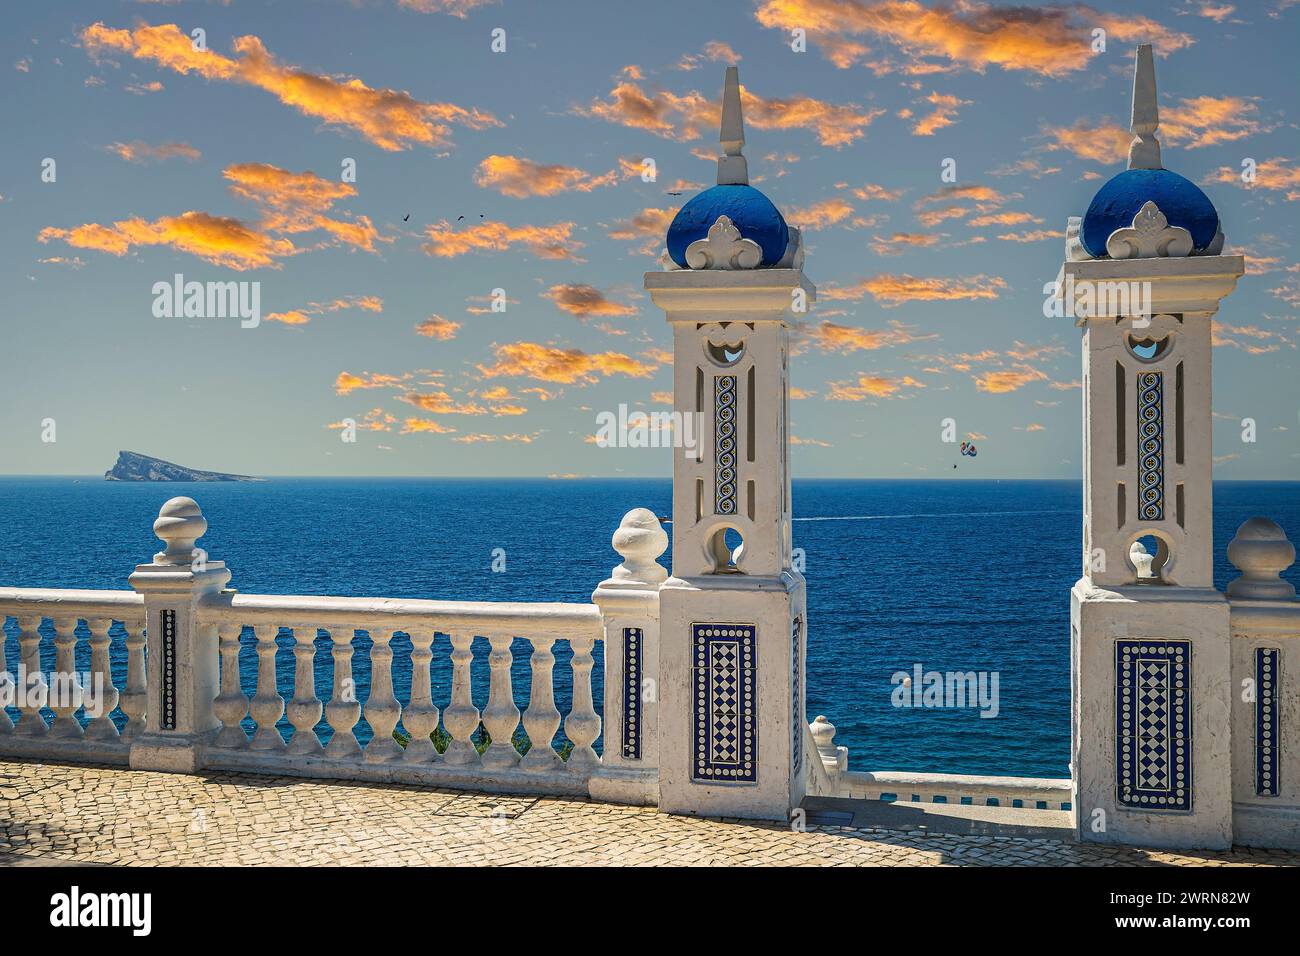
{"x":953,"y":575}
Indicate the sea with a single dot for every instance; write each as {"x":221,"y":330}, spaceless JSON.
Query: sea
{"x":944,"y":575}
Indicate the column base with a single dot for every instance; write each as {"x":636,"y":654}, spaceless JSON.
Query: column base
{"x":168,"y":753}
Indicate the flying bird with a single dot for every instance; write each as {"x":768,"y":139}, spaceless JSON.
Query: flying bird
{"x":459,"y":218}
{"x":406,"y":217}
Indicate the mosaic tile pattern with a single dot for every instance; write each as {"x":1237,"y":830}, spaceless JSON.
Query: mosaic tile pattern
{"x":633,"y":639}
{"x":1151,"y":446}
{"x":1153,"y":724}
{"x":725,"y":500}
{"x":725,"y":739}
{"x":168,"y":631}
{"x":797,"y":717}
{"x":1267,"y":660}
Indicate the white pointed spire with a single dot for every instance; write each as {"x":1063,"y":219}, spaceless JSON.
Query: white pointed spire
{"x":1144,"y":151}
{"x":732,"y":168}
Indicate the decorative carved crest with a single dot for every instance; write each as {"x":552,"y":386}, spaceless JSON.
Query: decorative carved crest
{"x":1149,"y":237}
{"x":724,"y":249}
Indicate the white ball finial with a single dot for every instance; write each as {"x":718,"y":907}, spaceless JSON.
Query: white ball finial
{"x":1261,"y":552}
{"x":180,"y":523}
{"x":640,"y":540}
{"x":834,"y":759}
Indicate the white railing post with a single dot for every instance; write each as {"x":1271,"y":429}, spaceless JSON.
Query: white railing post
{"x":67,"y":686}
{"x":135,"y":696}
{"x":501,"y":716}
{"x":267,"y":706}
{"x":461,"y":716}
{"x":382,"y":709}
{"x":582,"y":725}
{"x":344,"y":709}
{"x":182,"y":673}
{"x":629,"y":608}
{"x":231,"y":706}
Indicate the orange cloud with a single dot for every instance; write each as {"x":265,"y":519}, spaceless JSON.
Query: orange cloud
{"x":1210,"y":120}
{"x":139,"y":152}
{"x":893,"y":290}
{"x":1277,"y":175}
{"x":1107,"y":143}
{"x":415,"y":426}
{"x":830,"y":337}
{"x":895,"y":244}
{"x":520,"y":178}
{"x":714,"y":50}
{"x":390,"y":119}
{"x":1032,"y":235}
{"x":1000,"y":381}
{"x":872,"y":191}
{"x":436,"y":327}
{"x":294,"y":203}
{"x":347,"y":382}
{"x":870,"y":386}
{"x":457,"y":8}
{"x":944,"y":114}
{"x":822,"y":215}
{"x":480,"y":437}
{"x":649,"y":226}
{"x":565,"y":366}
{"x":441,"y":403}
{"x":1003,"y":219}
{"x":1049,"y":41}
{"x":684,"y":117}
{"x":369,"y":303}
{"x":585,"y":300}
{"x":219,"y":240}
{"x":546,"y":242}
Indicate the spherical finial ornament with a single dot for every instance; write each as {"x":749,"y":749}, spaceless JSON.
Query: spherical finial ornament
{"x":180,"y":523}
{"x":640,"y":540}
{"x":1261,"y":552}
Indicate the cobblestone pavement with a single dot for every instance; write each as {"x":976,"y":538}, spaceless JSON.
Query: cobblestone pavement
{"x":52,"y":813}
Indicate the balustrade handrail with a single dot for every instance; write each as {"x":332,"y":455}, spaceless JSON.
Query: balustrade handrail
{"x":126,"y":606}
{"x":483,"y":618}
{"x":954,"y":786}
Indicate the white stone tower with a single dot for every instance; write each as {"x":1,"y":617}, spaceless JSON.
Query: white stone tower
{"x":733,"y":620}
{"x":1144,"y":276}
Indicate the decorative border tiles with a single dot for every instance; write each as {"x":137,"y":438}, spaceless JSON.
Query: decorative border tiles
{"x":167,"y":620}
{"x":797,"y":717}
{"x":1267,"y":726}
{"x":724,"y":444}
{"x":632,"y":649}
{"x":1151,"y":446}
{"x":723,"y":672}
{"x":1153,"y":724}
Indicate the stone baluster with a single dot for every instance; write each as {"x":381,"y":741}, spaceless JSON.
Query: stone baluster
{"x":421,"y":716}
{"x":501,"y":716}
{"x":382,"y":709}
{"x":305,"y":709}
{"x":135,"y":696}
{"x":461,"y":716}
{"x":542,"y":718}
{"x":834,"y":759}
{"x":1261,"y":552}
{"x":6,"y":682}
{"x":267,"y":705}
{"x":582,"y":725}
{"x":344,"y":710}
{"x":102,"y":697}
{"x":32,"y":689}
{"x":67,"y":691}
{"x":231,"y":705}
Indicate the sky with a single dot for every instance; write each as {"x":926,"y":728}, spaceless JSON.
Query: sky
{"x":135,"y":149}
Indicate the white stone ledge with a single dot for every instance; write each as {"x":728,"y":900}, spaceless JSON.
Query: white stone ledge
{"x":61,"y":750}
{"x":1255,"y":617}
{"x":480,"y":618}
{"x":953,"y":787}
{"x":566,"y":782}
{"x":126,"y":606}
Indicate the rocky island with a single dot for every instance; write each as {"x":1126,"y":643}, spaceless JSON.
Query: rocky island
{"x":131,"y":466}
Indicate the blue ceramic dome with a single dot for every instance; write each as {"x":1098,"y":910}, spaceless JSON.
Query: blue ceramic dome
{"x":751,"y":212}
{"x":1117,"y":202}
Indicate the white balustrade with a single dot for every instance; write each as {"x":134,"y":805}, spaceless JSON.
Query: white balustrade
{"x":501,"y":716}
{"x":542,"y":718}
{"x":33,"y":690}
{"x":231,"y":705}
{"x":382,"y":709}
{"x":582,"y":725}
{"x":421,"y":716}
{"x":135,"y":697}
{"x":66,"y":689}
{"x":267,"y":706}
{"x":305,"y":709}
{"x":461,"y":717}
{"x":344,"y":710}
{"x":105,"y":695}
